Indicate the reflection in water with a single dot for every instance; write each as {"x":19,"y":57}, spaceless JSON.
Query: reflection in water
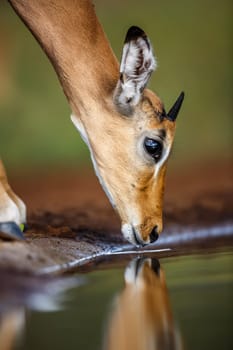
{"x":11,"y":327}
{"x":142,"y":318}
{"x":20,"y":293}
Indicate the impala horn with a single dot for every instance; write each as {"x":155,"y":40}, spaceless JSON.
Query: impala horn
{"x":172,"y":114}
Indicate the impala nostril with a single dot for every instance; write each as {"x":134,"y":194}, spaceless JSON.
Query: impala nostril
{"x":154,"y":235}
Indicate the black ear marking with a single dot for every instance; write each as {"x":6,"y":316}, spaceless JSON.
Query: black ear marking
{"x":134,"y":33}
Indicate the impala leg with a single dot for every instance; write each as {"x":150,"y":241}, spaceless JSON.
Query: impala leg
{"x":12,"y":209}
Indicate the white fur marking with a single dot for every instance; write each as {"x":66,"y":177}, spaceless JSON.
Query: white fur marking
{"x":136,"y":68}
{"x":162,"y":161}
{"x":130,"y":272}
{"x":9,"y":210}
{"x":78,"y":124}
{"x":22,"y":209}
{"x":127,"y":232}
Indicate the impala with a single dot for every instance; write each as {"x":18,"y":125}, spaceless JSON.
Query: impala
{"x":125,"y":125}
{"x":141,"y":316}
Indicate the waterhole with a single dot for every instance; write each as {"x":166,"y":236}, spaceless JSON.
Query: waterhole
{"x":183,"y":302}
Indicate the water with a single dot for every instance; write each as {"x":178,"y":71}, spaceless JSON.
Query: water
{"x":175,"y":303}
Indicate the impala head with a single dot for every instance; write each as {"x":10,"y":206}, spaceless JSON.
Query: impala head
{"x":131,"y":142}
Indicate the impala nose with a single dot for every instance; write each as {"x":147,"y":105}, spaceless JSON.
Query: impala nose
{"x":135,"y":237}
{"x":154,"y":235}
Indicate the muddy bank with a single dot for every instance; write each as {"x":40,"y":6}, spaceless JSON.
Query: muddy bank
{"x":71,"y":223}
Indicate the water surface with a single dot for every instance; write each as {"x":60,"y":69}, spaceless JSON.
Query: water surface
{"x":175,"y":303}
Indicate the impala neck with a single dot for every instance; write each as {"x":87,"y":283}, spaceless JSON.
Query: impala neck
{"x":73,"y":39}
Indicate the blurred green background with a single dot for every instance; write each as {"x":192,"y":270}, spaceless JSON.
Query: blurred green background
{"x":193,"y":43}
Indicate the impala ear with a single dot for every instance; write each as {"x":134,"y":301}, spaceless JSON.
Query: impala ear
{"x":137,"y":64}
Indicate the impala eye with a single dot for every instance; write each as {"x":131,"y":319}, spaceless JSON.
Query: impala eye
{"x":154,"y":148}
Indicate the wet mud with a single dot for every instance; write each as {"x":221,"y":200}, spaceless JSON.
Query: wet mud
{"x":71,"y":223}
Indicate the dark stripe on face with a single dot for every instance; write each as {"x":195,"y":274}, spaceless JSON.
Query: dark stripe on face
{"x":162,"y":134}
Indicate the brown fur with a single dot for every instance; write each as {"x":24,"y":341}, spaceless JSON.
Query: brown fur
{"x":142,"y":318}
{"x":72,"y":37}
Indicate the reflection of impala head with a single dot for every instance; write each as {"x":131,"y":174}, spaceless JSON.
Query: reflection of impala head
{"x":142,"y":317}
{"x":125,"y":126}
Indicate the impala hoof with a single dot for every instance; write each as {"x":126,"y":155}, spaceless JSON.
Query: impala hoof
{"x":10,"y":231}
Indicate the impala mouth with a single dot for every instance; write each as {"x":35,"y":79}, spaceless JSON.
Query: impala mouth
{"x":139,"y":263}
{"x":135,"y":267}
{"x":132,"y":235}
{"x":138,"y":240}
